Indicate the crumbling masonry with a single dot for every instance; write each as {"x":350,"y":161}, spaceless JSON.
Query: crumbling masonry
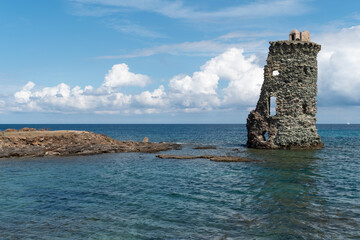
{"x":284,"y":117}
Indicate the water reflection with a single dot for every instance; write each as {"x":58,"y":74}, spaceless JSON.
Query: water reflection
{"x":287,"y":199}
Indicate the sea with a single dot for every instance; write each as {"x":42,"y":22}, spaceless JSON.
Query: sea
{"x":293,"y":194}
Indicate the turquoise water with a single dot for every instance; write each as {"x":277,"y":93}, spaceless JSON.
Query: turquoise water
{"x":289,"y":195}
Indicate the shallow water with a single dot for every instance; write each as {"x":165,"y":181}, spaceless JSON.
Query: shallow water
{"x":289,"y":195}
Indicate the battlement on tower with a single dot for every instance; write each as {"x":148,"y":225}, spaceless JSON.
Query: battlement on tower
{"x":288,"y":43}
{"x":295,"y":35}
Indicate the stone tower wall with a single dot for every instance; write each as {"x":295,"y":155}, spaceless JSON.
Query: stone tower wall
{"x":291,"y":77}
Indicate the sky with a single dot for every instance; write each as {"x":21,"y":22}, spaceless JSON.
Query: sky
{"x":161,"y":61}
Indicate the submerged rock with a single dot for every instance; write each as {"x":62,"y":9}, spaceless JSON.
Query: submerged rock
{"x":205,"y":147}
{"x":211,"y":157}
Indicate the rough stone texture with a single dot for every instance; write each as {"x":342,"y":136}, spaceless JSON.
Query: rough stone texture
{"x":305,"y":36}
{"x":295,"y":88}
{"x":25,"y":143}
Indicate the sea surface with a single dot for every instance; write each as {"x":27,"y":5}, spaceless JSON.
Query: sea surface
{"x":288,"y":195}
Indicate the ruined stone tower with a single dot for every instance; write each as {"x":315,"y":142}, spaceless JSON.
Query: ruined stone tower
{"x":285,"y":113}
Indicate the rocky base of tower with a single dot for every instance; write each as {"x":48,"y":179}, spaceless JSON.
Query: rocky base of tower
{"x":273,"y":133}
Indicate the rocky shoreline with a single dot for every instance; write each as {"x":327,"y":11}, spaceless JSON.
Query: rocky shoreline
{"x":29,"y":142}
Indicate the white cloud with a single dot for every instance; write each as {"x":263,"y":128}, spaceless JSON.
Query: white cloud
{"x":62,"y":98}
{"x":339,"y":71}
{"x":133,"y":29}
{"x":122,"y":15}
{"x":229,"y":80}
{"x":200,"y":48}
{"x":137,"y":30}
{"x":177,"y":9}
{"x":119,"y":76}
{"x":107,"y":112}
{"x":198,"y":92}
{"x":259,"y":9}
{"x":24,"y":95}
{"x":226,"y":81}
{"x":246,"y":78}
{"x":157,"y":98}
{"x":201,"y":89}
{"x":241,"y":35}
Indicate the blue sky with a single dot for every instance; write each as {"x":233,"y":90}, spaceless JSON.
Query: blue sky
{"x":158,"y":61}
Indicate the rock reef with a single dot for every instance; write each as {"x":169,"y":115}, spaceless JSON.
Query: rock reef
{"x":32,"y":143}
{"x":211,"y":157}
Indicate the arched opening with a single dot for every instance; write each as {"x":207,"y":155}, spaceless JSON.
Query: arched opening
{"x":294,"y":35}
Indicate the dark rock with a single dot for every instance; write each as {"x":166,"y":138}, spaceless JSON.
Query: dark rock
{"x":167,"y":156}
{"x":231,"y":159}
{"x":205,"y":147}
{"x":237,"y":150}
{"x":211,"y":157}
{"x":176,"y":146}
